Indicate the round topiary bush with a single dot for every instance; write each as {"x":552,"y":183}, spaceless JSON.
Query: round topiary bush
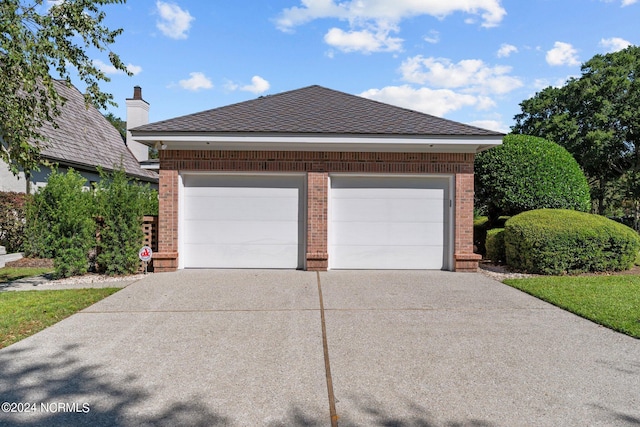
{"x":527,"y":173}
{"x":559,"y":241}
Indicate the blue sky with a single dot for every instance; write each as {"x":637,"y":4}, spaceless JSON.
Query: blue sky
{"x":471,"y":61}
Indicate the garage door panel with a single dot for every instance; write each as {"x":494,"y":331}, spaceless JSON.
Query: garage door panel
{"x":388,"y":193}
{"x":389,"y":234}
{"x":242,"y":256}
{"x":241,"y":209}
{"x":243,"y":232}
{"x":388,"y":222}
{"x":195,"y":181}
{"x":242,"y":221}
{"x":379,"y":209}
{"x":242,"y":192}
{"x":377,"y":257}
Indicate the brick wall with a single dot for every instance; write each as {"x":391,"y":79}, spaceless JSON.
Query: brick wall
{"x":166,"y":259}
{"x":317,"y":193}
{"x":464,"y":258}
{"x":317,"y":165}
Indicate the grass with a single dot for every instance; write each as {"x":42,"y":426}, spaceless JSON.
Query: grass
{"x":611,"y":301}
{"x":9,"y":274}
{"x":23,"y":313}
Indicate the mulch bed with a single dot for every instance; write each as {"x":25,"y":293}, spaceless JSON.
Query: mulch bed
{"x":31,"y":262}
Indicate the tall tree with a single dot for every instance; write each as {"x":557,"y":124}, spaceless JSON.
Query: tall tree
{"x":39,"y":39}
{"x":597,"y":118}
{"x":118,"y":123}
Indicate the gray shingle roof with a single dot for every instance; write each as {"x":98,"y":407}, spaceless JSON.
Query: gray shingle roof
{"x":315,"y":110}
{"x":84,"y":138}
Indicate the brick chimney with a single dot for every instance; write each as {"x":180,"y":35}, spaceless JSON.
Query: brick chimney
{"x":137,"y":115}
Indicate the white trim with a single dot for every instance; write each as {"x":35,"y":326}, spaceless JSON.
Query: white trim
{"x":432,"y":144}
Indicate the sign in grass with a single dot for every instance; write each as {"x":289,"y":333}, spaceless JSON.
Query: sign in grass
{"x":611,"y":301}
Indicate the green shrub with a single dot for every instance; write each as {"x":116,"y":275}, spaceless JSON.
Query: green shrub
{"x":495,"y":245}
{"x":527,"y":173}
{"x":480,"y":234}
{"x":120,"y":206}
{"x":480,"y":227}
{"x":59,"y":223}
{"x":558,"y":241}
{"x":12,"y":220}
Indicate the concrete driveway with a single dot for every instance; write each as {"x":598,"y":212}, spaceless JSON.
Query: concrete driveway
{"x":245,"y":348}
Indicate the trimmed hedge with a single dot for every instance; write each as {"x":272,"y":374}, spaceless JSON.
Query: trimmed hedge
{"x":526,"y":173}
{"x":558,"y":241}
{"x":496,"y":251}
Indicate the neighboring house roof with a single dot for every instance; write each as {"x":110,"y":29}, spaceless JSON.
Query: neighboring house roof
{"x":315,"y":110}
{"x":85,"y":139}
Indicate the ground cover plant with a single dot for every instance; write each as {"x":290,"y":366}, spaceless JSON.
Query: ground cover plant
{"x":611,"y":301}
{"x":24,"y":313}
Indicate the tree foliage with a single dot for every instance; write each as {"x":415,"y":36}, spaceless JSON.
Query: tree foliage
{"x":60,"y":223}
{"x":38,"y":38}
{"x":66,"y":221}
{"x":12,"y":220}
{"x":526,"y":173}
{"x":120,"y":206}
{"x":117,"y":123}
{"x":597,"y":118}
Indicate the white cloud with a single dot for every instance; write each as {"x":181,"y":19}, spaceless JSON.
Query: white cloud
{"x":363,"y":41}
{"x":493,"y":125}
{"x":196,"y":82}
{"x":624,"y":2}
{"x":371,"y":21}
{"x":174,"y":22}
{"x":506,"y":50}
{"x":433,"y":37}
{"x":258,"y":85}
{"x":490,"y":11}
{"x":470,"y":75}
{"x":562,"y":54}
{"x":110,"y":69}
{"x":437,"y":102}
{"x":614,"y":44}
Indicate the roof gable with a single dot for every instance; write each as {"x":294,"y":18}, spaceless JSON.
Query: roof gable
{"x":314,"y":110}
{"x":83,"y":137}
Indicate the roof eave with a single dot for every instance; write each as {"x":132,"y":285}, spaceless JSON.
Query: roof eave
{"x":318,"y":142}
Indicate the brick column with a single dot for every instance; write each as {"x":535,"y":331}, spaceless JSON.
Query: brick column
{"x":166,"y":259}
{"x":464,"y":258}
{"x":317,"y":193}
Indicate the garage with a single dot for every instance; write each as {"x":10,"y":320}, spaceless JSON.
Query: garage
{"x":389,"y":222}
{"x":242,"y":221}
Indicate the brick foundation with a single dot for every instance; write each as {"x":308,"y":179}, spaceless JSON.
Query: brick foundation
{"x":317,"y":166}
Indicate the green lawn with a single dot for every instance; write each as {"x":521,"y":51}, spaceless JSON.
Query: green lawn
{"x":23,"y":313}
{"x":9,"y":274}
{"x":611,"y":301}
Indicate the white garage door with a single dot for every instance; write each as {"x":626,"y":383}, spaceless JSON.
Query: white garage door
{"x":242,"y":221}
{"x":389,"y":223}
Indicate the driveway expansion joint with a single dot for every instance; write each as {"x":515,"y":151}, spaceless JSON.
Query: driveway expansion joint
{"x":327,"y":365}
